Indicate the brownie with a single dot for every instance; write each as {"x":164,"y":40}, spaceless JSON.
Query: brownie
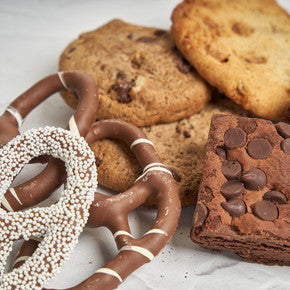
{"x":243,"y":202}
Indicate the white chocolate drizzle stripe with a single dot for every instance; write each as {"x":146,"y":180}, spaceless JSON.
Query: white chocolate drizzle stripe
{"x":61,"y":78}
{"x":6,"y":204}
{"x":14,"y":112}
{"x":139,"y":250}
{"x":22,"y":258}
{"x":13,"y":192}
{"x":118,"y":233}
{"x":141,"y":140}
{"x":109,"y":272}
{"x":154,"y":164}
{"x":153,"y":169}
{"x":156,"y":231}
{"x":73,"y":126}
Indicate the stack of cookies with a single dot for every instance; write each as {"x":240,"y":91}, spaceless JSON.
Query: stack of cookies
{"x":220,"y":57}
{"x":143,"y":79}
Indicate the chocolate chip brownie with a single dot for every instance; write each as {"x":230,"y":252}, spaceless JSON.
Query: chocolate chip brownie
{"x":243,"y":203}
{"x":180,"y":144}
{"x":142,"y":77}
{"x":241,"y":47}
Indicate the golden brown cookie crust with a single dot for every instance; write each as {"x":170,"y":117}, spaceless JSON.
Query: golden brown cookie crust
{"x":241,"y":47}
{"x":181,"y":145}
{"x":142,"y":78}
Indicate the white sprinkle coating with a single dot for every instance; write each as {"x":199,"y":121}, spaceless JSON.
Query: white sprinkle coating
{"x":61,"y":223}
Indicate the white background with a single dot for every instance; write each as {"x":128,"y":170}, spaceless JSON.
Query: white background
{"x":32,"y":36}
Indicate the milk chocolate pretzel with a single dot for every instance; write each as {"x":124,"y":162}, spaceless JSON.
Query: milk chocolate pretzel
{"x":60,"y":224}
{"x":54,"y":173}
{"x":112,"y":211}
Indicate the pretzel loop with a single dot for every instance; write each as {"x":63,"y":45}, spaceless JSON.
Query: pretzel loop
{"x":54,"y":173}
{"x":156,"y":179}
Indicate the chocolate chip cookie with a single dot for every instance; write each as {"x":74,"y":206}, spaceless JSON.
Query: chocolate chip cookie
{"x":241,"y":47}
{"x":142,"y":77}
{"x":180,"y":144}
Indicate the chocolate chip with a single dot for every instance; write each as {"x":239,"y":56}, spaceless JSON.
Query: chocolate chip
{"x":283,"y":129}
{"x":231,"y":169}
{"x":221,"y":153}
{"x":159,"y":32}
{"x":72,"y":49}
{"x":235,"y":138}
{"x":265,"y":210}
{"x":122,"y":88}
{"x":175,"y":174}
{"x":232,"y":188}
{"x":259,"y":148}
{"x":285,"y":146}
{"x":186,"y":134}
{"x":121,"y":75}
{"x":183,"y":65}
{"x":146,"y":39}
{"x":200,"y":214}
{"x":277,"y":196}
{"x":98,"y":161}
{"x":235,"y":207}
{"x":254,"y":179}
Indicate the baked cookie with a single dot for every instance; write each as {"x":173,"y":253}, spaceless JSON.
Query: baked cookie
{"x":181,"y":145}
{"x":241,"y":47}
{"x":142,"y":77}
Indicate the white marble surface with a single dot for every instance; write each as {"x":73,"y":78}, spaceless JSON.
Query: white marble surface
{"x":32,"y":36}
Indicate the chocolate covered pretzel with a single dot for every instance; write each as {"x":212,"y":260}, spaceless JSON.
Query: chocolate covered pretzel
{"x":60,"y":224}
{"x":112,"y":211}
{"x":53,"y":175}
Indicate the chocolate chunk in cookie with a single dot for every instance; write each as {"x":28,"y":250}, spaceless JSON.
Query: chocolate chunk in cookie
{"x":122,"y":90}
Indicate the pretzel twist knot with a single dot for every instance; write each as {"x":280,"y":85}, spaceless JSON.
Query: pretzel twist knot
{"x":112,"y":211}
{"x":61,"y":223}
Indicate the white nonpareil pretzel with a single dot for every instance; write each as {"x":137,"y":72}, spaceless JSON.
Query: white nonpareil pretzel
{"x":61,"y":223}
{"x":53,"y":175}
